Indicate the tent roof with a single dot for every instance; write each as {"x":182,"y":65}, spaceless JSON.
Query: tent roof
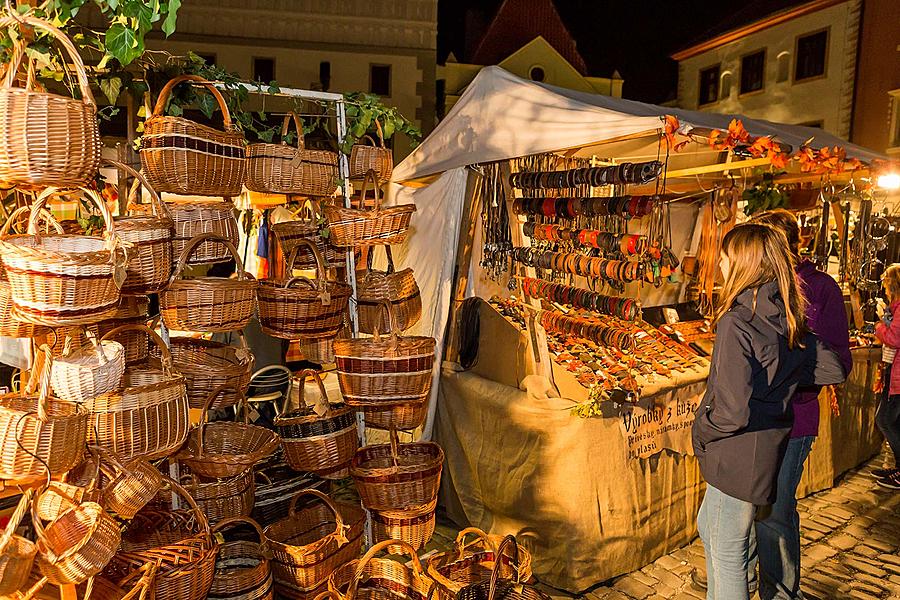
{"x":501,"y":116}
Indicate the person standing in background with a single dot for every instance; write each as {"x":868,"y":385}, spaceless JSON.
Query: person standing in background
{"x":888,"y":416}
{"x":778,"y":535}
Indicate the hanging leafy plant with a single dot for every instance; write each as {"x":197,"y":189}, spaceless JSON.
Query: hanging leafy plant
{"x":766,"y":195}
{"x":362,"y":112}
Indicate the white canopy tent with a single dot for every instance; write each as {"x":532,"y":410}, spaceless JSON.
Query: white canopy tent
{"x":500,"y":117}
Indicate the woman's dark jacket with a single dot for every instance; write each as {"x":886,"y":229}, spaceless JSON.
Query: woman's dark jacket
{"x":741,"y":428}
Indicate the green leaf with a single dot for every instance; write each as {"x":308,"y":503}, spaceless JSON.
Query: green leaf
{"x":168,"y":26}
{"x":274,"y":88}
{"x":41,"y":57}
{"x":266,"y":135}
{"x":388,"y":129}
{"x":175,"y":110}
{"x":207,"y":105}
{"x":123,"y":43}
{"x":111,"y":88}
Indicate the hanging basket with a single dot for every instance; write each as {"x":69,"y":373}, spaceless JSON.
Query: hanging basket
{"x":183,"y":157}
{"x":377,"y":374}
{"x":309,"y":310}
{"x":379,"y":226}
{"x":150,"y":264}
{"x":402,"y":417}
{"x":223,"y":448}
{"x":281,"y":169}
{"x":289,"y":233}
{"x":59,"y":496}
{"x":39,"y":431}
{"x":62,"y":279}
{"x":88,"y":372}
{"x":132,"y":310}
{"x":46,"y":139}
{"x":399,"y":288}
{"x":148,"y":417}
{"x":377,"y":158}
{"x":16,"y":552}
{"x":397,"y":476}
{"x":414,"y":526}
{"x":382,"y":578}
{"x":222,"y":498}
{"x":242,"y":567}
{"x":196,"y":218}
{"x":321,"y":439}
{"x":208,"y":304}
{"x":132,"y":485}
{"x":309,"y":544}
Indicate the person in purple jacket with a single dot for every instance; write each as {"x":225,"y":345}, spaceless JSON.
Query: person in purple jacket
{"x":778,"y":535}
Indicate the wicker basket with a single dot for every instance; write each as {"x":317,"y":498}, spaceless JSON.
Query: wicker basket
{"x":378,"y":373}
{"x":196,"y":218}
{"x":208,"y":304}
{"x":281,"y":168}
{"x":379,"y":226}
{"x":207,"y":366}
{"x":276,"y":484}
{"x":310,"y":543}
{"x":223,"y":498}
{"x":150,"y":235}
{"x":37,"y":431}
{"x":414,"y":526}
{"x":179,"y":542}
{"x":132,"y":485}
{"x":16,"y":552}
{"x":88,"y":372}
{"x":377,"y":158}
{"x":148,"y":417}
{"x":402,"y":417}
{"x":289,"y":233}
{"x":497,"y":588}
{"x":473,"y":561}
{"x":180,"y":156}
{"x":46,"y":139}
{"x":313,"y":310}
{"x":242,"y":568}
{"x":224,"y":448}
{"x":64,"y":279}
{"x":382,"y":578}
{"x":59,"y":496}
{"x":132,"y":310}
{"x":398,"y":288}
{"x":397,"y":476}
{"x":321,"y":439}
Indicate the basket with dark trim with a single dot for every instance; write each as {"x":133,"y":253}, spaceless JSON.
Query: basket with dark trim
{"x":359,"y":227}
{"x":276,"y":484}
{"x":414,"y":526}
{"x":382,"y":578}
{"x":496,"y":588}
{"x":196,"y":218}
{"x":399,"y":288}
{"x":243,"y":571}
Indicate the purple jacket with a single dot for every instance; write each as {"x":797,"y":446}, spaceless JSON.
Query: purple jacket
{"x":827,"y":318}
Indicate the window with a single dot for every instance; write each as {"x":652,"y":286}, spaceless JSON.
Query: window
{"x":819,"y":124}
{"x":325,"y":75}
{"x":811,"y":52}
{"x":709,"y":85}
{"x":536,"y":73}
{"x":784,"y":67}
{"x":208,"y":58}
{"x":753,"y":72}
{"x":380,"y":79}
{"x":264,"y":69}
{"x":725,"y":85}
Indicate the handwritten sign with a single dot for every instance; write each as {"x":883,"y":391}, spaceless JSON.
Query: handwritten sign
{"x":650,"y":429}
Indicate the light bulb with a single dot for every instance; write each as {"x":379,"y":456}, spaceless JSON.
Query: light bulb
{"x":889,"y":181}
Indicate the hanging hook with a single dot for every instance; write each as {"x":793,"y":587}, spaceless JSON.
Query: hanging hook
{"x":14,"y":13}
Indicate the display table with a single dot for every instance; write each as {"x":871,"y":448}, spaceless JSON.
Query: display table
{"x":519,"y":462}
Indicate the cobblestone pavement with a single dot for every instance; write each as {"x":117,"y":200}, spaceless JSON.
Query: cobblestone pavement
{"x":851,"y":549}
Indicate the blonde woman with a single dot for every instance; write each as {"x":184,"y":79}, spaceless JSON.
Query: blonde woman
{"x":888,"y":416}
{"x":763,"y":353}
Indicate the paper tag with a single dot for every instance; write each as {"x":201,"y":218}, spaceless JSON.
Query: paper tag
{"x":119,"y":275}
{"x":326,"y":298}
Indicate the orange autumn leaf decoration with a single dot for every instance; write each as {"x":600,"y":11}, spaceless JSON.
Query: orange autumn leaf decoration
{"x":728,"y":140}
{"x":671,"y":128}
{"x":826,"y":160}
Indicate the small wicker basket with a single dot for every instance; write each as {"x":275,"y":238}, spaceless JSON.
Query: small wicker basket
{"x":196,"y":218}
{"x":377,"y":158}
{"x":242,"y":567}
{"x":359,"y":227}
{"x":92,"y":370}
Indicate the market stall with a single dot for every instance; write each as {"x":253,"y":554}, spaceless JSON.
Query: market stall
{"x":570,"y":423}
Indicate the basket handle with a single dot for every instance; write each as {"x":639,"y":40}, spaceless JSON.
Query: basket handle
{"x":302,"y":375}
{"x":268,"y":480}
{"x":204,"y":414}
{"x":50,"y":192}
{"x":87,"y":97}
{"x":298,"y":124}
{"x":195,"y":242}
{"x":177,"y":487}
{"x":164,"y":353}
{"x":224,"y":523}
{"x":39,"y":380}
{"x":358,"y":574}
{"x":15,"y":519}
{"x":164,"y":93}
{"x":392,"y":323}
{"x":498,"y":563}
{"x":372,"y":176}
{"x":91,"y":337}
{"x":159,"y":207}
{"x":340,"y":529}
{"x":390,"y":258}
{"x":320,"y":260}
{"x":45,"y":214}
{"x":460,"y":544}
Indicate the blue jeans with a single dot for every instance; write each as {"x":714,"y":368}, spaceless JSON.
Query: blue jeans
{"x":778,"y":535}
{"x":725,"y":525}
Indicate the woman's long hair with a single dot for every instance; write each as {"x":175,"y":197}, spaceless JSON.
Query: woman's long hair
{"x":758,"y":254}
{"x":891,"y":279}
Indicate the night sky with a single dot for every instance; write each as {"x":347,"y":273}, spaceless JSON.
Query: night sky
{"x":633,"y":36}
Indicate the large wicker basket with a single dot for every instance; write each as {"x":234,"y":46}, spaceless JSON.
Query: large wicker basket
{"x":223,"y":498}
{"x":289,"y":234}
{"x":208,"y":304}
{"x":61,"y":280}
{"x":180,"y":156}
{"x":242,"y":568}
{"x":415,"y":526}
{"x":321,"y":439}
{"x":196,"y":218}
{"x":382,"y":578}
{"x":46,"y":139}
{"x":148,"y":417}
{"x":397,"y":287}
{"x":285,"y":169}
{"x":359,"y":227}
{"x":310,"y":310}
{"x":377,"y":158}
{"x":150,"y":235}
{"x":312,"y":542}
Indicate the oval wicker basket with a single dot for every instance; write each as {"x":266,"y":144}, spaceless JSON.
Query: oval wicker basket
{"x":309,"y":544}
{"x":281,"y":169}
{"x":90,"y":371}
{"x":16,"y":553}
{"x":377,"y":158}
{"x":321,"y":439}
{"x":289,"y":233}
{"x":315,"y":310}
{"x":208,"y":304}
{"x":397,"y":287}
{"x":196,"y":218}
{"x":150,"y":264}
{"x":382,"y":578}
{"x":132,"y":485}
{"x":46,"y":139}
{"x":397,"y":476}
{"x":414,"y":526}
{"x":181,"y":156}
{"x":148,"y":417}
{"x":59,"y":279}
{"x":358,"y":227}
{"x":132,"y":310}
{"x":223,"y":498}
{"x":242,"y":567}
